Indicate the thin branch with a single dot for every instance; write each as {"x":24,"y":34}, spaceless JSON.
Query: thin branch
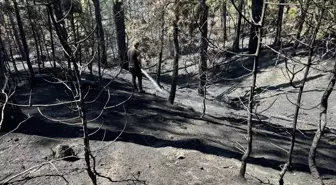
{"x":16,"y":127}
{"x":32,"y":168}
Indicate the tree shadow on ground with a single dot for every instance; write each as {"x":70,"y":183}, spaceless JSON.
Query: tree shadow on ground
{"x":151,"y":121}
{"x":238,"y":103}
{"x":184,"y":80}
{"x":227,"y":69}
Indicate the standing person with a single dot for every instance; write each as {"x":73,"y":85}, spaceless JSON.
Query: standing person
{"x":134,"y":63}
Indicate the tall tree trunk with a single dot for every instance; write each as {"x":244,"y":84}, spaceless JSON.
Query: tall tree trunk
{"x":322,"y":124}
{"x":42,"y":45}
{"x":224,"y":14}
{"x":16,"y":34}
{"x":80,"y":105}
{"x":235,"y":45}
{"x":256,"y":31}
{"x":51,"y":38}
{"x":61,"y":25}
{"x":301,"y":87}
{"x":176,"y":53}
{"x":258,"y":9}
{"x":32,"y":26}
{"x":277,"y":39}
{"x":119,"y":19}
{"x":92,"y":41}
{"x":23,"y":39}
{"x":158,"y":71}
{"x":9,"y":32}
{"x":79,"y":52}
{"x":10,"y":115}
{"x":100,"y":33}
{"x":10,"y":48}
{"x":203,"y":26}
{"x":320,"y":129}
{"x":40,"y":39}
{"x":73,"y":29}
{"x":14,"y":63}
{"x":45,"y":56}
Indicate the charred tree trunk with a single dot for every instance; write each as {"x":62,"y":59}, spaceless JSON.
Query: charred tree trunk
{"x":277,"y":40}
{"x":23,"y":39}
{"x":203,"y":26}
{"x":32,"y":26}
{"x":10,"y":115}
{"x":51,"y":38}
{"x":301,"y":87}
{"x":80,"y":104}
{"x":100,"y":33}
{"x":322,"y":124}
{"x":258,"y":10}
{"x":92,"y":41}
{"x":73,"y":29}
{"x":256,"y":32}
{"x":13,"y":61}
{"x":235,"y":45}
{"x":119,"y":19}
{"x":12,"y":37}
{"x":16,"y":34}
{"x":158,"y":71}
{"x":79,"y":52}
{"x":61,"y":25}
{"x":224,"y":14}
{"x":10,"y":49}
{"x":41,"y":41}
{"x":176,"y":53}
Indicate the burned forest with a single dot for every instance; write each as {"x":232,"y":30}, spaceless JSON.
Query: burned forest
{"x":179,"y":92}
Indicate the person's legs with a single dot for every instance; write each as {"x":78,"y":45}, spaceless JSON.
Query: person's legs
{"x":133,"y":71}
{"x":139,"y":74}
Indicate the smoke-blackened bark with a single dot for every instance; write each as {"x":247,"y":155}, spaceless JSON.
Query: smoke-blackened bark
{"x":176,"y":53}
{"x":119,"y":19}
{"x":258,"y":9}
{"x":23,"y":38}
{"x":203,"y":26}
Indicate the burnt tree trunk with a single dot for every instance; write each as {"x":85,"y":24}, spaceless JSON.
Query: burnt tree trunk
{"x":158,"y":71}
{"x":73,"y":29}
{"x":91,"y":40}
{"x":16,"y":34}
{"x":79,"y":52}
{"x":10,"y":116}
{"x":119,"y":19}
{"x":258,"y":9}
{"x":33,"y":28}
{"x":61,"y":25}
{"x":7,"y":30}
{"x":301,"y":87}
{"x":202,"y":68}
{"x":51,"y":38}
{"x":100,"y":33}
{"x":23,"y":39}
{"x":235,"y":45}
{"x":80,"y":104}
{"x":224,"y":14}
{"x":277,"y":40}
{"x":176,"y":54}
{"x":321,"y":126}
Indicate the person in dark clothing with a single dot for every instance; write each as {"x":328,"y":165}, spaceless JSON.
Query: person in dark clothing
{"x":134,"y":63}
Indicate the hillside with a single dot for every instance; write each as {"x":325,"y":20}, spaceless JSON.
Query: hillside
{"x":158,"y":142}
